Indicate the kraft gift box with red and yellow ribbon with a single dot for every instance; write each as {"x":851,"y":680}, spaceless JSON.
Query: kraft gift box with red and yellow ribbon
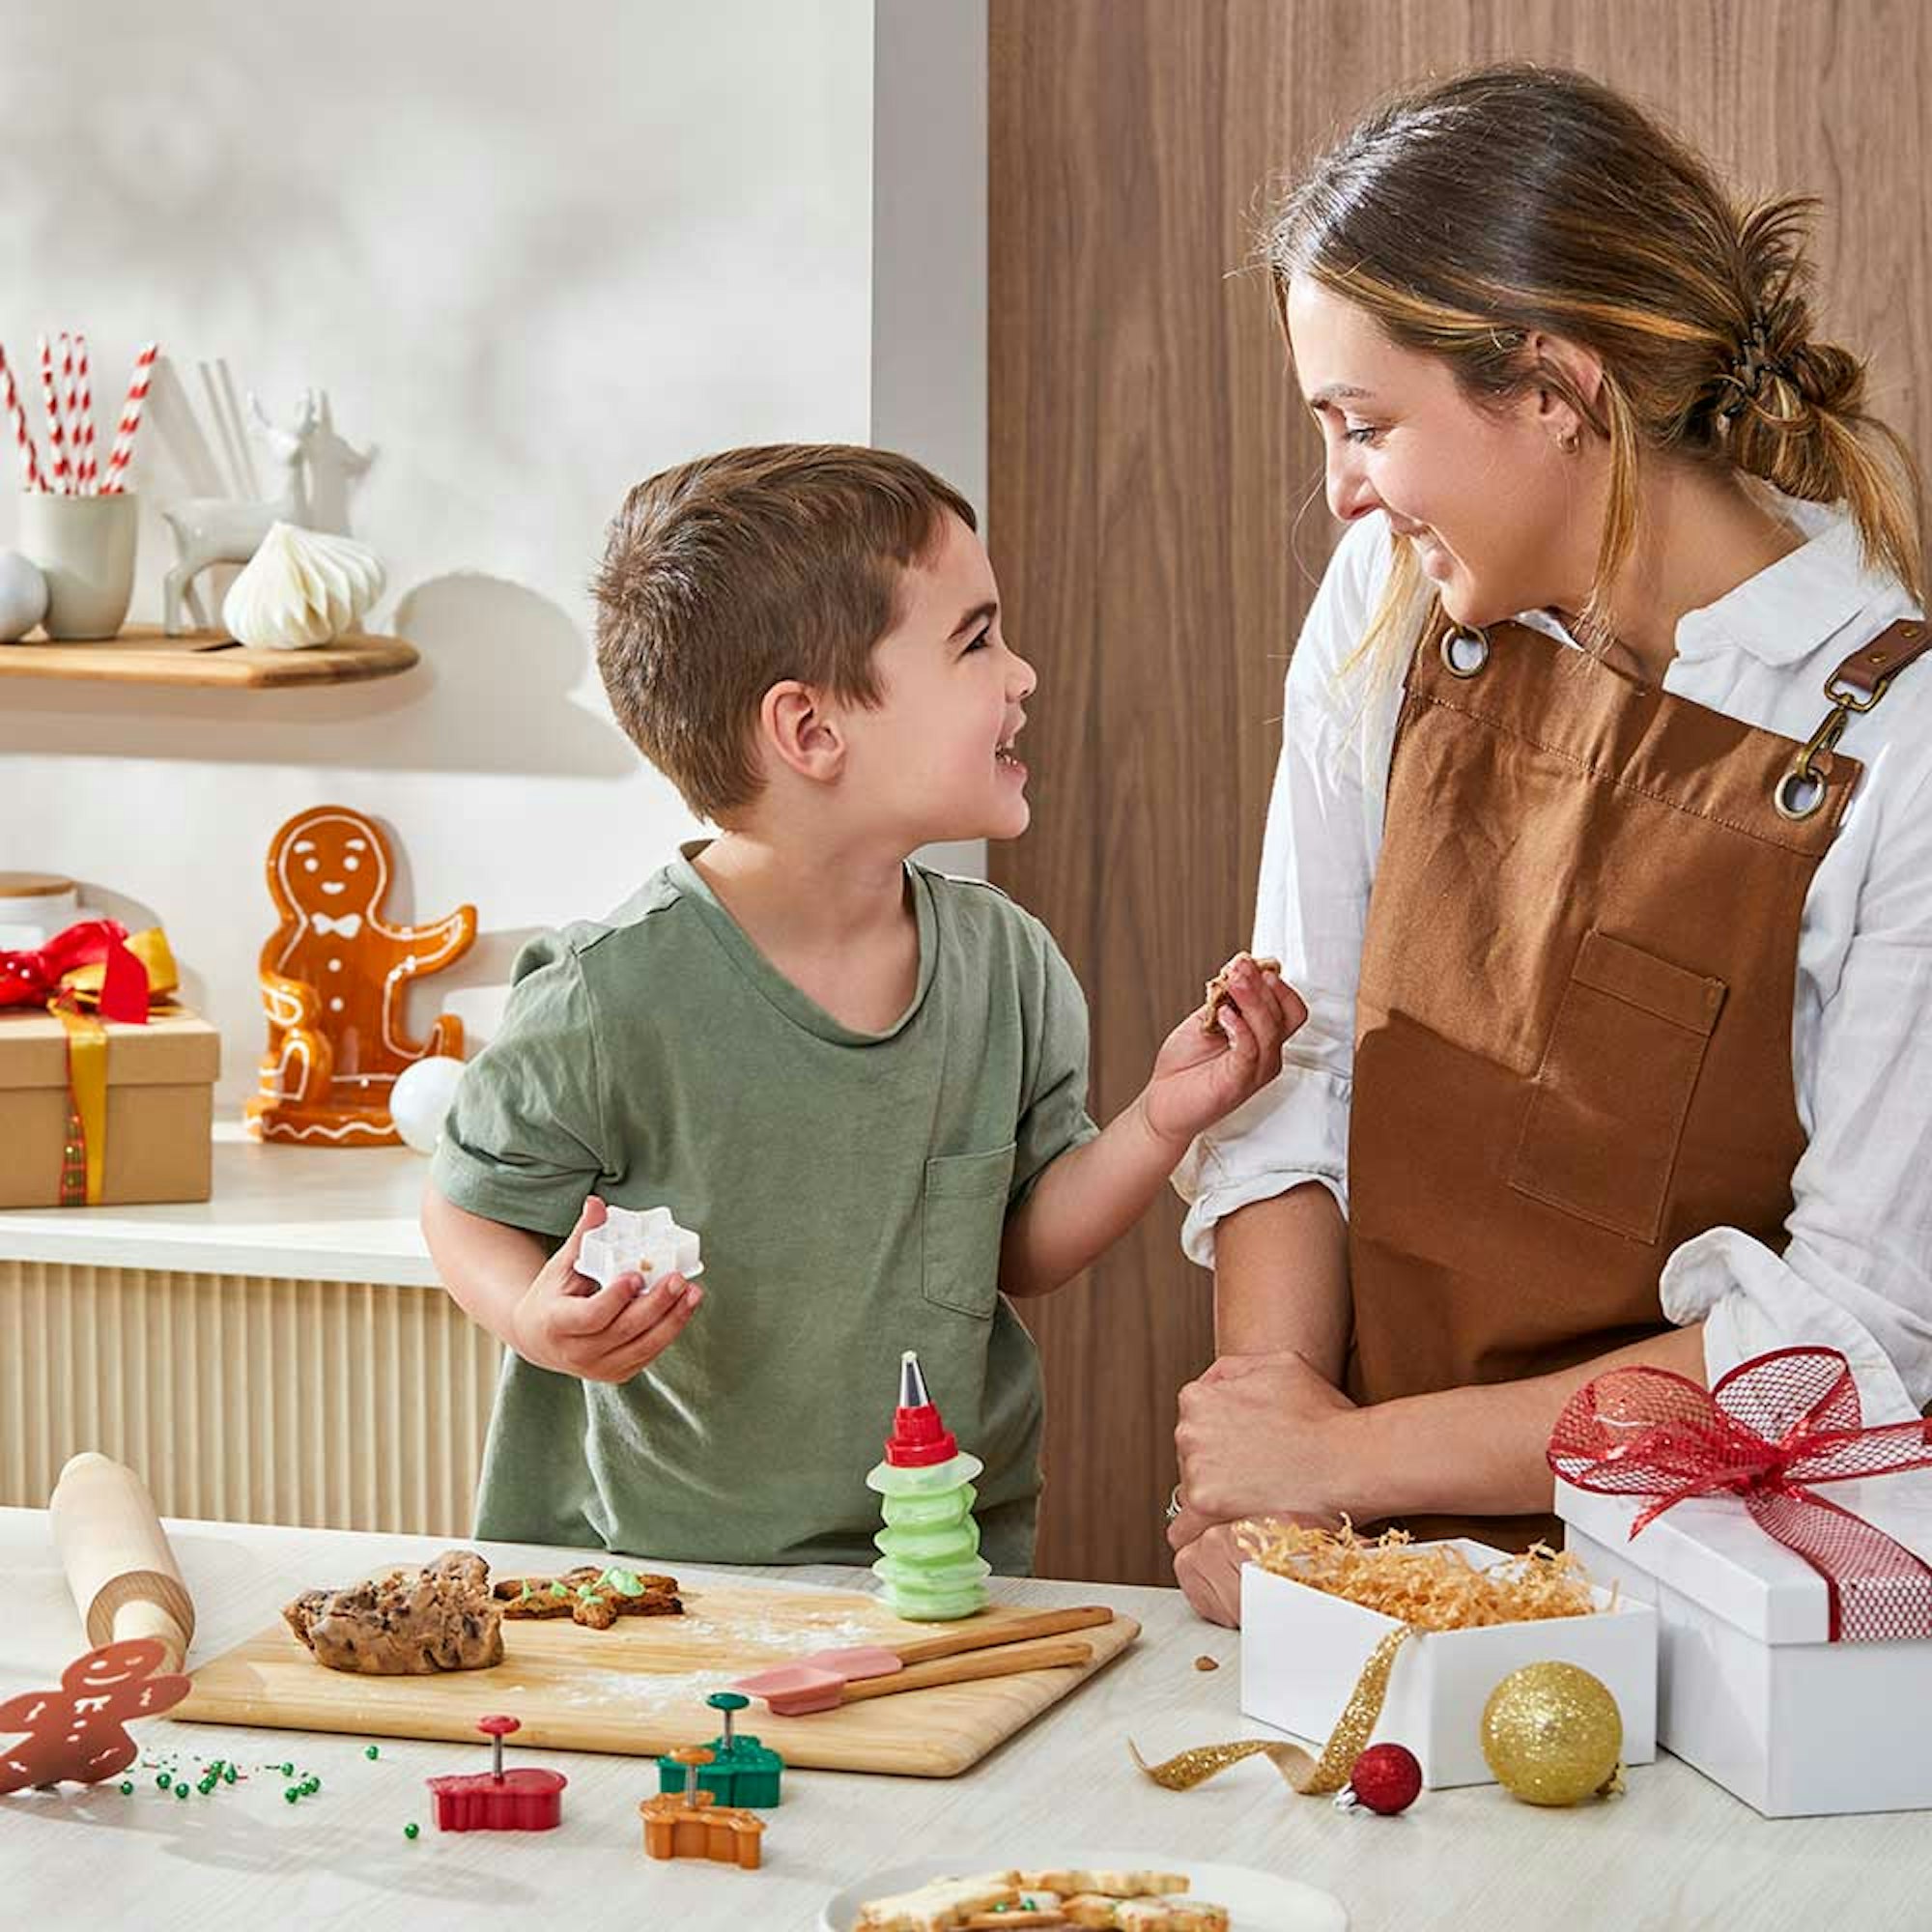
{"x":106,"y":1084}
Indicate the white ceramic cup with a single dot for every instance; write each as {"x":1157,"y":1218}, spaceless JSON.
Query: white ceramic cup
{"x":85,"y":547}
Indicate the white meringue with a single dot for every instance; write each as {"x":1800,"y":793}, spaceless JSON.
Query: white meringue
{"x":301,"y":587}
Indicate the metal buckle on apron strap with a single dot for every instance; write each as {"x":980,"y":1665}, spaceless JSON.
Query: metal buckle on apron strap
{"x":1476,"y":639}
{"x":1854,"y":687}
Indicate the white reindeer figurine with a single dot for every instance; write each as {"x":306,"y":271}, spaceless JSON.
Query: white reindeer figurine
{"x":334,"y":464}
{"x":223,"y":530}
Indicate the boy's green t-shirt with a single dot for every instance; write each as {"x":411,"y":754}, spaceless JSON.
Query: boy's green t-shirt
{"x":850,"y":1190}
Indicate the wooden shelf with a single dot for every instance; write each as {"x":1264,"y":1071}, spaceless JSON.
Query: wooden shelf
{"x":143,"y":654}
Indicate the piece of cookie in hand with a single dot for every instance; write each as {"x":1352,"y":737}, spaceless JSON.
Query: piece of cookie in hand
{"x":1218,"y":995}
{"x":592,"y":1597}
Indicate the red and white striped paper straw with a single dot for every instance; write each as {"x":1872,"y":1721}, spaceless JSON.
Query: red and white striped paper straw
{"x":130,"y":418}
{"x":69,"y":408}
{"x":10,"y":397}
{"x":86,"y":474}
{"x":57,"y":471}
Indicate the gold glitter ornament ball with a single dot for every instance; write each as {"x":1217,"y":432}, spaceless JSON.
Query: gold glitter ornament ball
{"x":1553,"y":1734}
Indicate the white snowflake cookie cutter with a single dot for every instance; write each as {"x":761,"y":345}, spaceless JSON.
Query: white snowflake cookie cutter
{"x":649,"y":1244}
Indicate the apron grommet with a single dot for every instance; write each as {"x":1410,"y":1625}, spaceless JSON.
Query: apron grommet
{"x":1792,"y":798}
{"x":1475,"y":640}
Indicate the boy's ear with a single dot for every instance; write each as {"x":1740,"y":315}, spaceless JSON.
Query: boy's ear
{"x":802,"y":731}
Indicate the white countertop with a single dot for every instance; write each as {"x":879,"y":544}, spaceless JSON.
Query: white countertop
{"x":310,"y":1213}
{"x":1676,"y":1852}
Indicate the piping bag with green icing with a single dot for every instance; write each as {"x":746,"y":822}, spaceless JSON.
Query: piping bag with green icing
{"x":930,"y":1567}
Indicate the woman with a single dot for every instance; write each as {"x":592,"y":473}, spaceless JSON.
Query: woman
{"x":1601,"y":847}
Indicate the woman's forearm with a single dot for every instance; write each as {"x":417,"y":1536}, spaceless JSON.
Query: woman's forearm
{"x":1482,"y":1451}
{"x":1281,"y":1280}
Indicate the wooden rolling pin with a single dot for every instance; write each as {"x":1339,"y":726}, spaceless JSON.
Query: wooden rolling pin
{"x":124,"y":1576}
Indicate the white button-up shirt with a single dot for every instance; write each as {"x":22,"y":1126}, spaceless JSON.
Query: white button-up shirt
{"x":1856,"y":1273}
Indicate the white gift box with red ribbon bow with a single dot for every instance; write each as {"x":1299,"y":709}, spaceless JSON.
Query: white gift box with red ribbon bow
{"x":1750,"y":1688}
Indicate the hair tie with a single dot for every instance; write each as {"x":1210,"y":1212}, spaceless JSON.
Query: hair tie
{"x":1751,"y":364}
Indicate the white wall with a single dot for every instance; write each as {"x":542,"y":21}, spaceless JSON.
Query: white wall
{"x":535,"y":254}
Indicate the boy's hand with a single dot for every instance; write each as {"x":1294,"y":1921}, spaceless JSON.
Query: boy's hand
{"x":567,"y":1323}
{"x":1200,"y":1075}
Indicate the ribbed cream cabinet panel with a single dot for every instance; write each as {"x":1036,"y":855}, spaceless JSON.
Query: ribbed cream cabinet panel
{"x":248,"y":1398}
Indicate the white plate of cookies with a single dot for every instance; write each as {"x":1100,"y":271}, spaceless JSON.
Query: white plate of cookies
{"x":1105,"y":1891}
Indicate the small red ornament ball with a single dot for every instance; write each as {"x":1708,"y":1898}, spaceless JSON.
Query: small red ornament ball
{"x":1386,"y":1779}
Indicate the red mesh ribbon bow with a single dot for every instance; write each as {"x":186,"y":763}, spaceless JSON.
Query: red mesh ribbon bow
{"x":1769,"y":1429}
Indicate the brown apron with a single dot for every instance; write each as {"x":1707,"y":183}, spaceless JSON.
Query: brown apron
{"x":1574,"y":1028}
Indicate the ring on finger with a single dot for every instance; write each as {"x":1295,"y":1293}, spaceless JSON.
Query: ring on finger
{"x":1174,"y":1504}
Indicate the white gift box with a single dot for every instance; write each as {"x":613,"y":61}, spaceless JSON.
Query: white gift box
{"x":1302,"y":1651}
{"x":1752,"y":1690}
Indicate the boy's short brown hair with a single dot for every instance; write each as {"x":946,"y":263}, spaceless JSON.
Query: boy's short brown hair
{"x":725,"y":576}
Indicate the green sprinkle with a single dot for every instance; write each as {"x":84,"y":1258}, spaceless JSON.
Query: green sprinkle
{"x":164,"y":1782}
{"x":126,"y":1789}
{"x":410,"y":1830}
{"x":291,"y":1794}
{"x":310,"y":1786}
{"x":181,"y":1791}
{"x":228,"y":1773}
{"x":374,"y":1751}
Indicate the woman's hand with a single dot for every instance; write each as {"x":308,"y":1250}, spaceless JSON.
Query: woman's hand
{"x":1208,"y":1571}
{"x":1207,"y":1559}
{"x":1202,"y":1073}
{"x":1263,"y":1434}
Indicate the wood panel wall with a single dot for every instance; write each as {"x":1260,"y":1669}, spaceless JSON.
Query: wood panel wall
{"x":1156,"y":511}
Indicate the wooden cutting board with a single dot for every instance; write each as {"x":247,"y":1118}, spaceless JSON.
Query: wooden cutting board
{"x":638,"y":1689}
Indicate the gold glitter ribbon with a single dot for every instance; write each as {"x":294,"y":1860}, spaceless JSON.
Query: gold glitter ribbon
{"x":1312,"y":1777}
{"x":84,"y":1148}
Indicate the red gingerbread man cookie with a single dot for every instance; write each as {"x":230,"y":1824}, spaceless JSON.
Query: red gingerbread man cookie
{"x":79,"y":1731}
{"x":334,"y":978}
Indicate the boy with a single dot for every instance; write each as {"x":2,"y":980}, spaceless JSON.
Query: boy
{"x":863,"y":1083}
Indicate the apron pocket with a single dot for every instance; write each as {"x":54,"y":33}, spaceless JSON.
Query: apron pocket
{"x":965,"y":1217}
{"x":1607,"y":1107}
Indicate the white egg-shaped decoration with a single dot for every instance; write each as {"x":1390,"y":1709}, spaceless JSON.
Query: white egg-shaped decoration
{"x":23,"y":595}
{"x":420,"y":1097}
{"x":301,"y":587}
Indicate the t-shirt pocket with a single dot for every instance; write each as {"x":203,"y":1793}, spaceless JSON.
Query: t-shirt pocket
{"x":1607,"y":1111}
{"x":965,"y":1217}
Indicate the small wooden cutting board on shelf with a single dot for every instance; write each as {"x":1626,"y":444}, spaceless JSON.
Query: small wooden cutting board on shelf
{"x":638,"y":1688}
{"x":144,"y":654}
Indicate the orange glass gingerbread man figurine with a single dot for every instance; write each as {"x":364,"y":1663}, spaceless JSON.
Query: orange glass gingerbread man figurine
{"x":334,"y":978}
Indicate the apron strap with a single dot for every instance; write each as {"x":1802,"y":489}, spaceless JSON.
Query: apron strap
{"x":1872,"y":667}
{"x":1856,"y":686}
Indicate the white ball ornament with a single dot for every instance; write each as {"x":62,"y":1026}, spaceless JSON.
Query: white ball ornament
{"x":23,"y":595}
{"x":420,"y":1097}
